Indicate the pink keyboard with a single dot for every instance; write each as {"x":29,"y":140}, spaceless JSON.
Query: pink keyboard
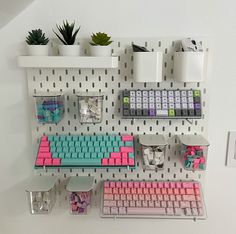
{"x":153,"y":199}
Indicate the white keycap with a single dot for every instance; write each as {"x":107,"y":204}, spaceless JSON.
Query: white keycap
{"x":170,"y":211}
{"x":170,"y":93}
{"x":151,"y":99}
{"x":177,"y":93}
{"x":158,"y":99}
{"x":190,"y":93}
{"x":164,"y":106}
{"x":183,"y":93}
{"x":177,"y":106}
{"x":184,"y":106}
{"x":109,"y":203}
{"x":138,"y":93}
{"x":151,"y":105}
{"x":162,"y":112}
{"x":195,"y":211}
{"x":178,"y":211}
{"x":158,"y":93}
{"x":190,"y":106}
{"x":114,"y":210}
{"x":145,"y":105}
{"x":106,"y":210}
{"x":184,"y":99}
{"x":190,"y":99}
{"x":122,"y":210}
{"x":132,"y":99}
{"x":145,"y":99}
{"x":171,"y":106}
{"x":164,"y":93}
{"x":138,"y":99}
{"x":158,"y":106}
{"x":164,"y":99}
{"x":132,"y":106}
{"x":187,"y":212}
{"x":151,"y":93}
{"x":145,"y":93}
{"x":171,"y":99}
{"x":146,"y":211}
{"x":177,"y":99}
{"x":132,"y":93}
{"x":139,"y":105}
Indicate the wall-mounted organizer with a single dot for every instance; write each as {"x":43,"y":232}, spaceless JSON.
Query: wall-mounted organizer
{"x":147,"y":66}
{"x":72,"y":79}
{"x":190,"y":66}
{"x":41,"y":194}
{"x":50,"y":107}
{"x":193,"y":151}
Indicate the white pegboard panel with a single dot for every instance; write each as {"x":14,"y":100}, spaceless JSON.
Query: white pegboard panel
{"x":112,"y":81}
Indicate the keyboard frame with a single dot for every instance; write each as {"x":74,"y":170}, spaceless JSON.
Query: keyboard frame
{"x":154,"y":216}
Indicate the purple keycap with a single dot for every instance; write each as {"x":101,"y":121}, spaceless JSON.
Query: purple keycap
{"x":197,"y":106}
{"x":152,"y":112}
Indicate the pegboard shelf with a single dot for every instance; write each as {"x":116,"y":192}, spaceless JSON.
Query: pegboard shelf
{"x":67,"y":62}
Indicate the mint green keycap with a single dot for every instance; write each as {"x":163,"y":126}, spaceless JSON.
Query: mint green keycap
{"x":114,"y":143}
{"x":74,"y":155}
{"x":55,"y":155}
{"x":56,"y":138}
{"x":90,"y":144}
{"x":71,"y":144}
{"x":58,"y":144}
{"x":75,"y":138}
{"x":103,"y":149}
{"x":100,"y":155}
{"x":65,"y":149}
{"x":99,"y":138}
{"x":106,"y":138}
{"x":50,"y":138}
{"x":62,"y":138}
{"x":121,"y":143}
{"x":93,"y":138}
{"x":84,"y":143}
{"x":131,"y":155}
{"x":52,"y":144}
{"x":81,"y":162}
{"x":81,"y":138}
{"x":87,"y":138}
{"x":91,"y":149}
{"x":94,"y":155}
{"x":59,"y":149}
{"x":108,"y":143}
{"x":102,"y":143}
{"x":77,"y":143}
{"x":84,"y":150}
{"x":116,"y":149}
{"x":78,"y":149}
{"x":118,"y":138}
{"x":72,"y":149}
{"x":61,"y":155}
{"x":68,"y":155}
{"x":69,"y":138}
{"x":53,"y":149}
{"x":80,"y":155}
{"x":110,"y":149}
{"x":111,"y":138}
{"x":97,"y":150}
{"x":87,"y":155}
{"x":106,"y":155}
{"x":96,"y":143}
{"x":65,"y":143}
{"x":129,"y":143}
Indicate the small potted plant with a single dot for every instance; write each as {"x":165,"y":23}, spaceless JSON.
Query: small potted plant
{"x":37,"y":43}
{"x":68,"y":38}
{"x":100,"y":45}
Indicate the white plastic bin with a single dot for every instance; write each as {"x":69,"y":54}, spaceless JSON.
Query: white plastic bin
{"x":147,"y":66}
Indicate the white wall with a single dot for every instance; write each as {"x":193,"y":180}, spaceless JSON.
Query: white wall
{"x":134,"y":18}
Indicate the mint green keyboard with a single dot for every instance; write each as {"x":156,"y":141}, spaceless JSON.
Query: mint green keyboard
{"x":86,"y":151}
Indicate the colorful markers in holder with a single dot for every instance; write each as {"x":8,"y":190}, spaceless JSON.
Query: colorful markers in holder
{"x":50,"y":107}
{"x":79,"y":194}
{"x":90,"y":107}
{"x":194,"y":149}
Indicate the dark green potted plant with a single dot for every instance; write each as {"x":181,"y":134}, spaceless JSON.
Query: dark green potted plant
{"x":67,"y":34}
{"x":37,"y":43}
{"x":100,"y":45}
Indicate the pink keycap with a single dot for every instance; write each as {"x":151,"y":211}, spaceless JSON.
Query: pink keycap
{"x":115,"y":155}
{"x":44,"y":149}
{"x":172,"y":184}
{"x":142,"y":184}
{"x":124,"y":155}
{"x":160,"y":185}
{"x":124,"y":162}
{"x":136,"y":184}
{"x":158,"y":191}
{"x":188,"y":197}
{"x":133,"y":190}
{"x":117,"y":161}
{"x":56,"y":162}
{"x":115,"y":191}
{"x":130,"y":184}
{"x":39,"y":162}
{"x":178,"y":185}
{"x":154,"y":184}
{"x":105,"y":161}
{"x":118,"y":184}
{"x":127,"y":138}
{"x":148,"y":184}
{"x":124,"y":184}
{"x":44,"y":138}
{"x":187,"y":185}
{"x":48,"y":162}
{"x":106,"y":184}
{"x":112,"y":184}
{"x":44,"y":155}
{"x":44,"y":144}
{"x":166,"y":185}
{"x":107,"y":190}
{"x":196,"y":185}
{"x":111,"y":162}
{"x":202,"y":160}
{"x":131,"y":161}
{"x":147,"y":211}
{"x":126,"y":149}
{"x":127,"y":190}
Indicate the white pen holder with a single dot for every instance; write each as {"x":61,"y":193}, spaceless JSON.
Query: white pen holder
{"x":190,"y":66}
{"x":147,"y":66}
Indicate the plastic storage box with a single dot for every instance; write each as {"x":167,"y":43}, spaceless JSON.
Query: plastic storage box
{"x":90,"y":107}
{"x":50,"y":107}
{"x":193,"y":151}
{"x":41,"y":193}
{"x":79,"y":194}
{"x":153,"y":149}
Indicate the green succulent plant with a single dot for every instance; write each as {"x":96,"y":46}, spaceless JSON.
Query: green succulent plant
{"x":37,"y":37}
{"x":100,"y":39}
{"x":68,"y":33}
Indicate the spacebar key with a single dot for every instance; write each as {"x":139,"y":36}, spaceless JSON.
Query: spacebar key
{"x":146,"y":211}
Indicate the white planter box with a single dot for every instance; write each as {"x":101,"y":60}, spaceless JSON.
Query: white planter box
{"x":147,"y":66}
{"x":189,"y":66}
